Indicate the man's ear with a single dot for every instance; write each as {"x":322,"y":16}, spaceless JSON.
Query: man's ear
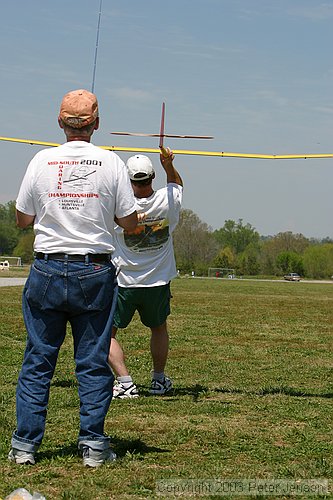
{"x":60,"y":123}
{"x":96,"y":123}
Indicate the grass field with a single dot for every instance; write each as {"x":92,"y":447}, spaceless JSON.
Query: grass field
{"x":252,"y":369}
{"x":15,"y":272}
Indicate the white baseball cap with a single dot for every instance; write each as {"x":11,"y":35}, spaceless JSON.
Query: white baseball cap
{"x":140,"y":168}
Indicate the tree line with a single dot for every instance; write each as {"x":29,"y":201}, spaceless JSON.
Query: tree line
{"x":236,"y":245}
{"x":239,"y":246}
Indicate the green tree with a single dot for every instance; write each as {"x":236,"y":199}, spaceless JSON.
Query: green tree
{"x":194,"y":243}
{"x":236,"y":235}
{"x":24,"y":248}
{"x":8,"y":238}
{"x":288,"y":242}
{"x":9,"y":233}
{"x":272,"y":247}
{"x":318,"y":261}
{"x":248,"y":262}
{"x":267,"y":261}
{"x":288,"y":262}
{"x":225,"y":259}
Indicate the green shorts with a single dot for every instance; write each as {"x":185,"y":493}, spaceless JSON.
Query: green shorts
{"x":152,"y":304}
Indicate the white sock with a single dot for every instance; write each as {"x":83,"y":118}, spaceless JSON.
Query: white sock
{"x":126,"y":381}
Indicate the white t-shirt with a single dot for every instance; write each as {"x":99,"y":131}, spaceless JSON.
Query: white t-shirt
{"x":74,"y":191}
{"x":145,"y":256}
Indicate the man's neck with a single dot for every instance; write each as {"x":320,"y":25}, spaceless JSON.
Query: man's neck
{"x":143,"y":192}
{"x":78,"y":138}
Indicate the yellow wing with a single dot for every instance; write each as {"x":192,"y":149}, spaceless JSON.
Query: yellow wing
{"x":223,"y":154}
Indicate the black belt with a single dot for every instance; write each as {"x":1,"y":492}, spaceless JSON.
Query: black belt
{"x":90,"y":257}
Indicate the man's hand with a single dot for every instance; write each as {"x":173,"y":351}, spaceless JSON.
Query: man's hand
{"x":141,"y":217}
{"x":166,"y":157}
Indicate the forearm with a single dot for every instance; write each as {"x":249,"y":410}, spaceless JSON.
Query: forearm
{"x":167,"y":163}
{"x":173,"y":176}
{"x":128,"y":223}
{"x":24,"y":220}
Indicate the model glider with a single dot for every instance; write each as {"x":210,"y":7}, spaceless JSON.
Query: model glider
{"x":162,"y":134}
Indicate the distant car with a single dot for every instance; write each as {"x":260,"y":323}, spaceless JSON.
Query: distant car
{"x":292,"y":277}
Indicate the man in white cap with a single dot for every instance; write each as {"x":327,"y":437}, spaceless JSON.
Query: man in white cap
{"x":71,"y":194}
{"x":146,"y":261}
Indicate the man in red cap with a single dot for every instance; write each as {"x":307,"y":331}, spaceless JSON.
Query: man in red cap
{"x":71,"y":194}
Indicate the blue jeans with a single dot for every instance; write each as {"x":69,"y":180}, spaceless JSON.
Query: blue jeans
{"x":85,"y":295}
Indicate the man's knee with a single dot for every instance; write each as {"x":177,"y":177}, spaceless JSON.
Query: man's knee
{"x":159,"y":330}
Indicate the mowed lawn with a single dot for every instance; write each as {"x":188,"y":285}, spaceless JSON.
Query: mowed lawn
{"x":252,"y":366}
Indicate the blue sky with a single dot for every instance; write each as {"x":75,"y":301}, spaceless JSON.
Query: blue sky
{"x":255,"y":74}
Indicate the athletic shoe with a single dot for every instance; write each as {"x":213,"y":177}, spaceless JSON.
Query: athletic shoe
{"x":21,"y":457}
{"x":122,"y":392}
{"x":96,"y":458}
{"x":158,"y":387}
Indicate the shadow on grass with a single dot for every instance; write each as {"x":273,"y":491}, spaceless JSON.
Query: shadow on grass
{"x":134,"y":447}
{"x":64,"y":383}
{"x":288,"y":391}
{"x":195,"y":391}
{"x":122,"y":447}
{"x":198,"y":390}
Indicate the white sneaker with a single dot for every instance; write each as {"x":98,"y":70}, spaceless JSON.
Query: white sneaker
{"x":96,"y":458}
{"x":21,"y":457}
{"x":122,"y":392}
{"x":158,"y":387}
